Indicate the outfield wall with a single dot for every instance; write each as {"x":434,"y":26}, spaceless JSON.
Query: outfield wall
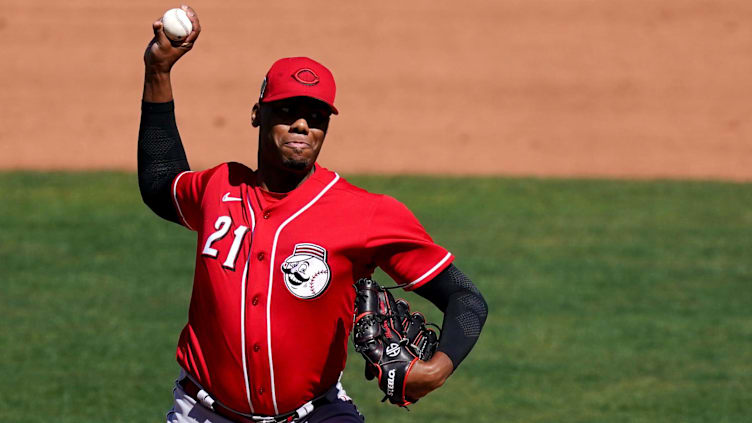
{"x":524,"y":87}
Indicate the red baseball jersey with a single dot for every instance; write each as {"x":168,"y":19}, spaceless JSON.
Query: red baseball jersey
{"x":272,"y":301}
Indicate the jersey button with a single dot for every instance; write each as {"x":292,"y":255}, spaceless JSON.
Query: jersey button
{"x":260,"y":256}
{"x":257,"y":348}
{"x":254,"y":301}
{"x":266,"y":215}
{"x":261,"y":391}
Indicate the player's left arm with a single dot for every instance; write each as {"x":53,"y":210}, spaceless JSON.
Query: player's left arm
{"x":465,"y":312}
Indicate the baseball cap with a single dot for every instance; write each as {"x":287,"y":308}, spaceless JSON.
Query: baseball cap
{"x":299,"y":77}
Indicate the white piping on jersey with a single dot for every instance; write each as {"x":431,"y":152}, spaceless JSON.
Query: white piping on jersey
{"x":431,"y":270}
{"x":341,"y":393}
{"x":175,"y":196}
{"x":271,"y":278}
{"x":242,"y":310}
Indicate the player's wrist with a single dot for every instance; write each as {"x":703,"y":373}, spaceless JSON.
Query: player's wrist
{"x":157,"y":87}
{"x":155,"y":73}
{"x":440,"y":367}
{"x":431,"y":374}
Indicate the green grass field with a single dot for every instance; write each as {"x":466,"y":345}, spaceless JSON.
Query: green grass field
{"x":610,"y":301}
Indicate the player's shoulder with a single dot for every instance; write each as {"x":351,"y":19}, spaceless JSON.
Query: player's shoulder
{"x":346,"y":189}
{"x":361,"y":201}
{"x":362,"y":198}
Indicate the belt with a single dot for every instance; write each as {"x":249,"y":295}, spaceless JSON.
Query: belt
{"x":194,"y":391}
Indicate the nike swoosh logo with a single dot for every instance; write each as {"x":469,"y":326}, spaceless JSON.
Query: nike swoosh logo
{"x":227,"y":198}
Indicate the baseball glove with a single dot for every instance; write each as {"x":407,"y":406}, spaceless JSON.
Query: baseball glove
{"x":390,"y":338}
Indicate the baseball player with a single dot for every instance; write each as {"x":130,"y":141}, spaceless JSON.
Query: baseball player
{"x":278,"y":250}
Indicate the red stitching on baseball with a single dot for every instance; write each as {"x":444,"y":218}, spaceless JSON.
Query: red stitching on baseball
{"x":320,"y":272}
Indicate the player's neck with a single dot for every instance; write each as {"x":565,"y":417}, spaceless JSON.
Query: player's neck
{"x":280,"y":180}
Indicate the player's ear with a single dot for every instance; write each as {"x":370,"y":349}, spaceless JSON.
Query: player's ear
{"x":255,"y":115}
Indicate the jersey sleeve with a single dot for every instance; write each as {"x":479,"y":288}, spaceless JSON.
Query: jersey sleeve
{"x":187,"y":192}
{"x":401,"y":246}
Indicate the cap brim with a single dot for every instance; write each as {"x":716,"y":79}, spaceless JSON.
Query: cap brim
{"x":286,"y":96}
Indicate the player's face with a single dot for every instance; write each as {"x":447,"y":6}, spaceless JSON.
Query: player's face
{"x":291,"y":131}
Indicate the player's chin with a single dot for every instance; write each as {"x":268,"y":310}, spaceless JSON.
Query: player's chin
{"x":296,"y":164}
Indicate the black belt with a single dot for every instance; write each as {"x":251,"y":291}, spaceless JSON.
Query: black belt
{"x":192,"y":390}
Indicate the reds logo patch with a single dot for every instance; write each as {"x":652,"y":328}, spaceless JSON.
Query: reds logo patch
{"x":306,"y":76}
{"x":306,"y":271}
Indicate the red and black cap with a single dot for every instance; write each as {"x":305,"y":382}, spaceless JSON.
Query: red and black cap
{"x":299,"y":77}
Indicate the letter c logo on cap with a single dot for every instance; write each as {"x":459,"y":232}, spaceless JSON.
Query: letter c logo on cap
{"x":306,"y":77}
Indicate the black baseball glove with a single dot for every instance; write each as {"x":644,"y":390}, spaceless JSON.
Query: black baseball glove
{"x":390,"y":338}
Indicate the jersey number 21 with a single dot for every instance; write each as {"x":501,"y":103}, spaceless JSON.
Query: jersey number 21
{"x":222,"y":226}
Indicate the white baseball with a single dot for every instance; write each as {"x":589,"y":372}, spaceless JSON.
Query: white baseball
{"x":176,"y":24}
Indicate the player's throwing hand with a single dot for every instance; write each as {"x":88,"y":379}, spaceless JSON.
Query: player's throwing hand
{"x":161,"y":53}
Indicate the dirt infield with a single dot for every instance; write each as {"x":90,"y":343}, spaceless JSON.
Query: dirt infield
{"x":523,"y":87}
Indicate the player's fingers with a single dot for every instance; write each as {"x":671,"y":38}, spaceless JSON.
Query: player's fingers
{"x":193,"y":17}
{"x":159,"y":34}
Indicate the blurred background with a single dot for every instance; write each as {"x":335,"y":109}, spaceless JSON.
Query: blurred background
{"x":587,"y":162}
{"x":521,"y":87}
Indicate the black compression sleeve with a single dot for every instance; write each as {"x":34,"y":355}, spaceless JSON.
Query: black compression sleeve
{"x":161,"y":157}
{"x":464,"y":309}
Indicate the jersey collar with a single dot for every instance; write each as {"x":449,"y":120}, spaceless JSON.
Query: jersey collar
{"x":301,"y":195}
